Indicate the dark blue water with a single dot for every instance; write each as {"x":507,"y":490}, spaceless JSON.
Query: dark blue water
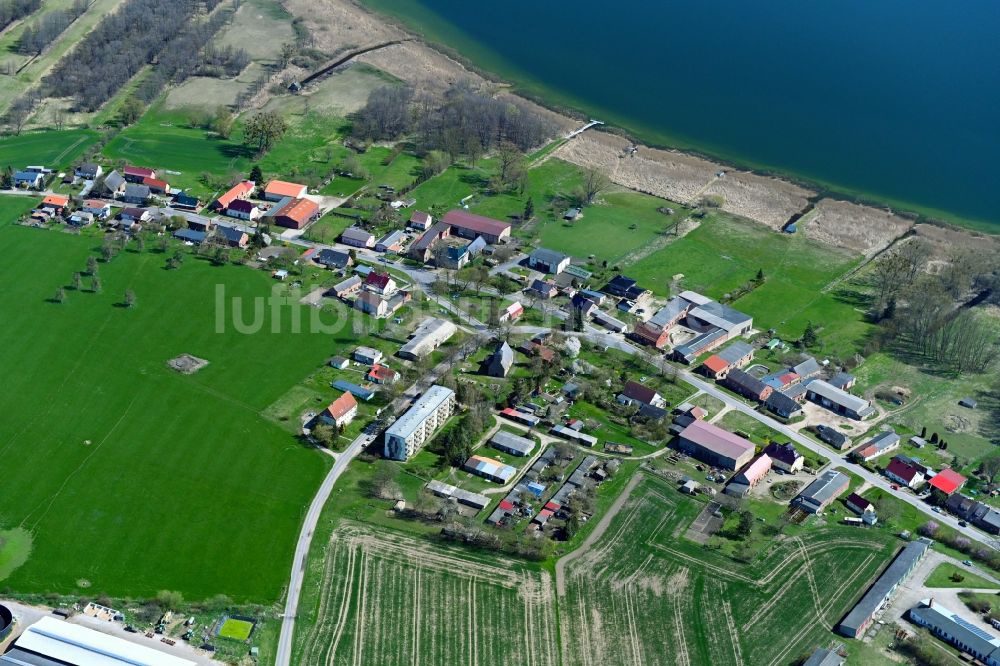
{"x":895,"y":99}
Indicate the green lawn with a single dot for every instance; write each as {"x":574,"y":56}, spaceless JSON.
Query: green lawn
{"x":130,"y":477}
{"x":12,"y":207}
{"x":756,"y":431}
{"x":237,"y":630}
{"x":941,"y":577}
{"x":53,"y":149}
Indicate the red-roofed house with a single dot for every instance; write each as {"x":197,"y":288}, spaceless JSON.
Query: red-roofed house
{"x":506,"y":505}
{"x":382,"y":374}
{"x":468,"y":225}
{"x":55,"y":203}
{"x":714,"y":445}
{"x":634,"y":392}
{"x":241,"y":190}
{"x":277,"y":190}
{"x":553,"y":506}
{"x":512,"y":312}
{"x":652,"y":335}
{"x":859,"y":504}
{"x":155,"y":185}
{"x":904,"y":473}
{"x":754,"y":472}
{"x":134,"y":174}
{"x":341,"y":411}
{"x":380,"y":283}
{"x":243,"y":210}
{"x":99,"y":209}
{"x":716,"y":367}
{"x":947,"y":482}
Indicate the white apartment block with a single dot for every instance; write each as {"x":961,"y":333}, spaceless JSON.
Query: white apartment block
{"x":412,"y":430}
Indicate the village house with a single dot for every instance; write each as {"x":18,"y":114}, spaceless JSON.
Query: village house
{"x":372,"y":303}
{"x":341,"y":411}
{"x":946,"y":483}
{"x":88,"y":171}
{"x":156,"y":186}
{"x":500,"y":361}
{"x":635,"y":393}
{"x":135,"y":174}
{"x":859,"y":504}
{"x":241,"y":190}
{"x":81,"y":219}
{"x":243,"y":210}
{"x":975,"y":644}
{"x":745,"y":384}
{"x":380,"y":283}
{"x":132,"y":215}
{"x":839,"y":402}
{"x":99,"y":209}
{"x":512,"y":312}
{"x":468,"y":225}
{"x":735,"y":356}
{"x":190,"y":236}
{"x":785,"y":457}
{"x":367,"y":355}
{"x":232,"y":237}
{"x":422,"y":249}
{"x":749,"y":476}
{"x":348,"y":287}
{"x":513,"y":444}
{"x":544,"y":289}
{"x":904,"y":473}
{"x":783,"y":405}
{"x":332,"y":258}
{"x":391,"y":242}
{"x":135,"y":194}
{"x":357,"y":237}
{"x":420,"y":220}
{"x":31,"y":180}
{"x":833,"y":437}
{"x":843,"y":381}
{"x":276,"y":190}
{"x":186,"y":201}
{"x":382,"y":374}
{"x":114,"y":184}
{"x":880,"y":444}
{"x":55,"y":204}
{"x":548,"y":261}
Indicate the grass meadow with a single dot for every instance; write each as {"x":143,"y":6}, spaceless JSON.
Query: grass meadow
{"x":129,"y":477}
{"x":54,"y":149}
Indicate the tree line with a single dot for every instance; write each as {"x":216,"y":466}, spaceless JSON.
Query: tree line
{"x":45,"y":30}
{"x":465,"y":122}
{"x":12,"y":10}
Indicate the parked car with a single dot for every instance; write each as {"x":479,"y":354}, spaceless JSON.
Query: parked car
{"x":967,"y":563}
{"x":962,"y":523}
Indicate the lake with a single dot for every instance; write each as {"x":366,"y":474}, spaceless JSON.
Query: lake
{"x":894,"y":100}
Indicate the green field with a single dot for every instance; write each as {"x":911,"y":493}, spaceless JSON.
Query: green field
{"x":941,"y":577}
{"x":237,"y":630}
{"x":756,"y":431}
{"x":130,"y":477}
{"x":53,"y":149}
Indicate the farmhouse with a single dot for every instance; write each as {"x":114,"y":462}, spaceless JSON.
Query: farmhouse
{"x":735,"y":356}
{"x":946,"y":483}
{"x":500,"y":361}
{"x":135,"y":215}
{"x":186,"y":201}
{"x":371,"y":303}
{"x":135,"y":174}
{"x":333,"y":258}
{"x":512,"y":444}
{"x":785,"y":457}
{"x":833,"y":437}
{"x":81,"y":219}
{"x":28,"y":179}
{"x":241,"y":190}
{"x":156,"y":186}
{"x":380,"y":283}
{"x":391,"y":242}
{"x":232,"y":236}
{"x":747,"y":385}
{"x":468,"y":225}
{"x":843,"y":380}
{"x":347,"y":287}
{"x":419,"y":423}
{"x":243,"y":210}
{"x":822,"y":491}
{"x":748,"y":477}
{"x":880,"y":444}
{"x":52,"y":642}
{"x":781,"y":404}
{"x":99,"y":209}
{"x":89,"y":171}
{"x":341,"y":411}
{"x":422,"y":249}
{"x":512,"y":312}
{"x":838,"y":401}
{"x":294,"y":213}
{"x":714,"y":445}
{"x":878,"y":595}
{"x":55,"y":203}
{"x":957,"y":631}
{"x":824,"y":657}
{"x":135,"y":194}
{"x":357,"y":237}
{"x":859,"y":504}
{"x":277,"y":190}
{"x":367,"y":355}
{"x":548,"y":261}
{"x":904,"y":473}
{"x":421,"y":220}
{"x":114,"y":183}
{"x":359,"y":392}
{"x":382,"y":374}
{"x":635,"y":393}
{"x":431,"y":334}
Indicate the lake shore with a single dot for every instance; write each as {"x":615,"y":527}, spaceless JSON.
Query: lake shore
{"x":678,"y":175}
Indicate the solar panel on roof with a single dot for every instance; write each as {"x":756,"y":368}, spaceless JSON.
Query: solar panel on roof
{"x":971,"y":627}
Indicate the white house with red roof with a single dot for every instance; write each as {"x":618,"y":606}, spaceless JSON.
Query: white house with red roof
{"x":341,"y":411}
{"x":382,"y":374}
{"x":136,"y":174}
{"x":904,"y":473}
{"x":512,"y":312}
{"x":859,"y":504}
{"x":99,"y":209}
{"x":380,"y":283}
{"x":634,"y":392}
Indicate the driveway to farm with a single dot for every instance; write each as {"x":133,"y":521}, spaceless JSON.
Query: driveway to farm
{"x":284,"y":652}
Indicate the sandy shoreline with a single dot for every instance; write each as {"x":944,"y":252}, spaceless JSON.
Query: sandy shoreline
{"x":676,"y":175}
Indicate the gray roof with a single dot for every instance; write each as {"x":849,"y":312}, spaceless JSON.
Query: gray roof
{"x":349,"y":283}
{"x":831,"y":435}
{"x":720,"y":315}
{"x":504,"y":441}
{"x":674,"y":308}
{"x":841,"y":380}
{"x":693,"y":347}
{"x":114,"y":180}
{"x":391,"y":238}
{"x":883,"y":587}
{"x":476,"y":247}
{"x":502,"y":359}
{"x":735,"y":351}
{"x":428,"y":403}
{"x":743,"y":380}
{"x":428,"y":336}
{"x":978,"y":642}
{"x":780,"y":403}
{"x":839,"y":397}
{"x":827,"y":486}
{"x":547,"y":256}
{"x":356,"y":233}
{"x":807,"y":368}
{"x":329,"y":257}
{"x":824,"y":657}
{"x":132,"y":190}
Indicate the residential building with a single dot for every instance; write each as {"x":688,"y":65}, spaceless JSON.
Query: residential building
{"x":190,"y":236}
{"x":635,"y":393}
{"x":783,"y":405}
{"x":243,"y":210}
{"x":981,"y":515}
{"x":878,"y":595}
{"x":824,"y":657}
{"x":548,"y":261}
{"x":382,"y":374}
{"x":808,"y":369}
{"x":294,"y":213}
{"x":276,"y":190}
{"x":89,"y":171}
{"x":785,"y":457}
{"x":232,"y":236}
{"x":419,"y":423}
{"x":904,"y":473}
{"x":55,"y":203}
{"x":422,"y":249}
{"x":341,"y":411}
{"x":53,"y":642}
{"x":81,"y":219}
{"x":946,"y":483}
{"x":859,"y":504}
{"x":833,"y":437}
{"x":955,"y":630}
{"x":136,"y":174}
{"x":431,"y":334}
{"x":838,"y":401}
{"x":489,"y":469}
{"x":156,"y":186}
{"x":513,"y":444}
{"x":882,"y":443}
{"x":114,"y":183}
{"x":186,"y":201}
{"x":241,"y":190}
{"x":843,"y":380}
{"x":750,"y":475}
{"x":500,"y":361}
{"x":135,"y":194}
{"x":421,"y":220}
{"x":380,"y":283}
{"x":512,"y":312}
{"x":468,"y":225}
{"x":736,"y":355}
{"x":348,"y":287}
{"x":611,"y":323}
{"x":822,"y":491}
{"x":99,"y":209}
{"x":357,"y":237}
{"x":340,"y":363}
{"x":713,"y":445}
{"x":372,"y":303}
{"x":391,"y":242}
{"x":747,"y":385}
{"x":333,"y":258}
{"x":367,"y":355}
{"x":31,"y":180}
{"x":619,"y":286}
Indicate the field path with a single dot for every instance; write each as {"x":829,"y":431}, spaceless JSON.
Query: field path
{"x":593,"y":537}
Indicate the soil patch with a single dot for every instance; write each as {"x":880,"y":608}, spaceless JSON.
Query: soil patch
{"x":187,"y":364}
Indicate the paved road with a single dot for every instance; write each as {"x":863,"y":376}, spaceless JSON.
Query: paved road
{"x":284,"y":653}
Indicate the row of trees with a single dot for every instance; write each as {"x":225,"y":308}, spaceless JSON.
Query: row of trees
{"x":44,"y":31}
{"x":12,"y":10}
{"x":466,"y":122}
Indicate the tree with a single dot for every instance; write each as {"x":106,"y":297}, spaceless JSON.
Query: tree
{"x":760,"y":275}
{"x":169,"y":599}
{"x":256,"y":175}
{"x":324,"y":434}
{"x":130,"y":110}
{"x":529,"y":210}
{"x":77,"y":280}
{"x":595,"y":181}
{"x":745,"y":526}
{"x":509,"y":163}
{"x":140,"y":243}
{"x":91,"y":265}
{"x":222,"y":122}
{"x":808,"y":335}
{"x":60,"y":295}
{"x":129,"y":298}
{"x":95,"y":284}
{"x":263,"y":130}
